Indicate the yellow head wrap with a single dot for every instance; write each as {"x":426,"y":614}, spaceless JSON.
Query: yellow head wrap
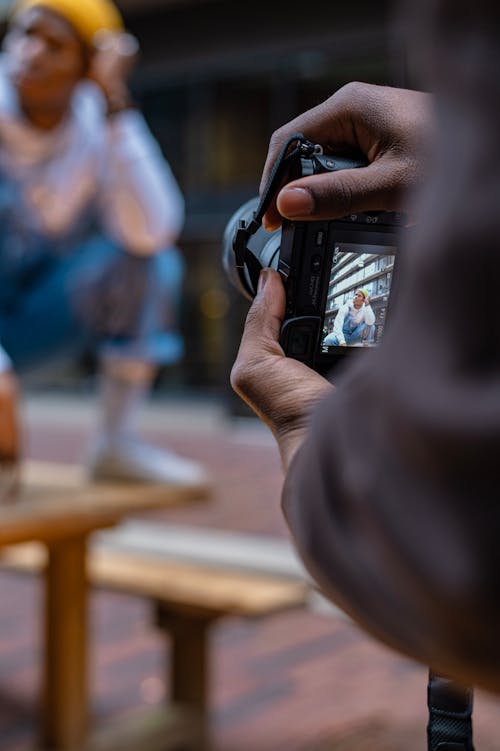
{"x":86,"y":16}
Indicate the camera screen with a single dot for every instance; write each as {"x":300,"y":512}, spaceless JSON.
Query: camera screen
{"x":358,"y":295}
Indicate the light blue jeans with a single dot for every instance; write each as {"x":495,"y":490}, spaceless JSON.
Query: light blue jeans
{"x":54,"y":305}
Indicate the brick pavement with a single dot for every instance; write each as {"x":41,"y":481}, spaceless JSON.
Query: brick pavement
{"x":294,"y":682}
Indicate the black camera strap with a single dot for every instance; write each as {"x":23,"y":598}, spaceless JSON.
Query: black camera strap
{"x":287,"y":157}
{"x":450,"y":715}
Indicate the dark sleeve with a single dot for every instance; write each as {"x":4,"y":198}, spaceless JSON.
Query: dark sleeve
{"x":393,"y":500}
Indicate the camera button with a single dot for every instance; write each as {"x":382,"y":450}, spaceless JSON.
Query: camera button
{"x":320,"y":238}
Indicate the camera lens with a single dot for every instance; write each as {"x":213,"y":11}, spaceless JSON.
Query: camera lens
{"x":264,"y":246}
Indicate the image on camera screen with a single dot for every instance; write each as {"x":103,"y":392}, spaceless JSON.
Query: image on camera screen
{"x":358,"y":295}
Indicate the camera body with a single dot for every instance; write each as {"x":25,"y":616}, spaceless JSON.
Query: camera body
{"x":337,"y":274}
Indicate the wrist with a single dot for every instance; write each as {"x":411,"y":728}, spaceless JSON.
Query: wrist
{"x":118,"y":100}
{"x":289,"y":444}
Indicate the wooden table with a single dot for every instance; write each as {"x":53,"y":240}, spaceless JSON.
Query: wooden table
{"x":58,"y":509}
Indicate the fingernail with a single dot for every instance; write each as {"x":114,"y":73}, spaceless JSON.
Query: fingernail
{"x":295,"y":202}
{"x":263,"y":277}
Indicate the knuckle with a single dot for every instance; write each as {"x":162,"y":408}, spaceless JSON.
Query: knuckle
{"x":351,"y":93}
{"x":339,"y":198}
{"x":236,"y":377}
{"x":278,"y":137}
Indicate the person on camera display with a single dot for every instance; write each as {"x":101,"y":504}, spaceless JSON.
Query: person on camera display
{"x":398,"y":522}
{"x":90,"y":214}
{"x":354,"y":322}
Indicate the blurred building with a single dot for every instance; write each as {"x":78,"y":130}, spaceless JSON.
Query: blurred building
{"x":215,"y":78}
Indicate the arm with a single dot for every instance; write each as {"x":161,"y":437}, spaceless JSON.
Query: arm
{"x":391,"y":482}
{"x":369,"y":314}
{"x":339,"y":323}
{"x":9,"y":435}
{"x":141,"y":201}
{"x":142,"y":204}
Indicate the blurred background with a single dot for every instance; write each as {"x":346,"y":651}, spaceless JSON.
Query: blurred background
{"x":214,"y":79}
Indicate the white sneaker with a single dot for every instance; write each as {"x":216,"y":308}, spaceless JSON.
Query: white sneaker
{"x":131,"y":460}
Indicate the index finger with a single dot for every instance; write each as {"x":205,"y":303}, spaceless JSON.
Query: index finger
{"x":340,"y":124}
{"x":307,"y":124}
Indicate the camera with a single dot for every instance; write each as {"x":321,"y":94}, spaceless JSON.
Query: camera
{"x":337,"y":274}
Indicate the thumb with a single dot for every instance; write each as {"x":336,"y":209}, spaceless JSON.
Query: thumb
{"x":263,"y":324}
{"x":260,"y":338}
{"x":377,"y":187}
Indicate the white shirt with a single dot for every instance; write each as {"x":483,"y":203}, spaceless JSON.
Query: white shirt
{"x":116,"y":163}
{"x":364,"y":314}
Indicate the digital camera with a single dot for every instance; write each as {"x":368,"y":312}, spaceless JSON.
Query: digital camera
{"x":337,"y":274}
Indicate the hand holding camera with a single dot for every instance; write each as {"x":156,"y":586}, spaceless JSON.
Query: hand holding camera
{"x":281,"y":391}
{"x":390,"y":126}
{"x":328,"y":268}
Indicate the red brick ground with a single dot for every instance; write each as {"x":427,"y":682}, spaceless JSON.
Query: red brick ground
{"x":295,"y":682}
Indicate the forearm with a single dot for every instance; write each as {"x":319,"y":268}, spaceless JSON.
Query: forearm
{"x":338,"y":325}
{"x":385,"y":533}
{"x":369,"y":315}
{"x":142,"y":203}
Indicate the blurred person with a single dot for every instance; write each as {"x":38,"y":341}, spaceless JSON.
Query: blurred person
{"x":354,"y":322}
{"x":391,"y":488}
{"x":89,"y":216}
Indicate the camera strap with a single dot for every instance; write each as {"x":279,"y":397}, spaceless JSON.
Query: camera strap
{"x":450,"y":715}
{"x":287,"y":159}
{"x":281,"y":167}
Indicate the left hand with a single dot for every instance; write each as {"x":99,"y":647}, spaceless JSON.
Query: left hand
{"x":9,"y":437}
{"x":113,"y":60}
{"x":280,"y":390}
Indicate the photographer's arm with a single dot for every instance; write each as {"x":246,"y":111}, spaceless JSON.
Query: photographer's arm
{"x":391,"y":492}
{"x":390,"y":126}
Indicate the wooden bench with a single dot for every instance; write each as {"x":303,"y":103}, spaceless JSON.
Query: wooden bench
{"x":187,"y":599}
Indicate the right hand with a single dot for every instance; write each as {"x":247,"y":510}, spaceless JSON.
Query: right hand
{"x":390,"y":126}
{"x":9,"y":436}
{"x":114,"y":57}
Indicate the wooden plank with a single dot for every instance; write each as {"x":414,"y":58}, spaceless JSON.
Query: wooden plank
{"x":205,"y":590}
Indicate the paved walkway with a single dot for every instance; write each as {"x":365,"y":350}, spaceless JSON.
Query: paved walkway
{"x":305,"y":681}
